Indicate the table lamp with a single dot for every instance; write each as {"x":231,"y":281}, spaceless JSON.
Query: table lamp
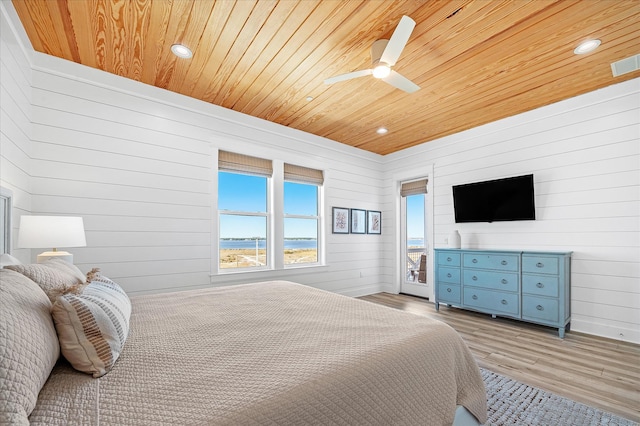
{"x":51,"y":231}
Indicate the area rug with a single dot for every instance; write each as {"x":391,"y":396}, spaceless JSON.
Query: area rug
{"x":514,"y":403}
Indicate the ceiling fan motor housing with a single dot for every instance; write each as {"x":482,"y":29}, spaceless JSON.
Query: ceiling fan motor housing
{"x":377,"y":48}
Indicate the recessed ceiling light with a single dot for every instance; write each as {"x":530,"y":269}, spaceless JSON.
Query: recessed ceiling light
{"x":309,"y":98}
{"x":382,"y":130}
{"x":587,"y":46}
{"x":181,"y":51}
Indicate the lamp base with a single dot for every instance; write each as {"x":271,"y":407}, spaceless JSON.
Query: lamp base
{"x":42,"y":257}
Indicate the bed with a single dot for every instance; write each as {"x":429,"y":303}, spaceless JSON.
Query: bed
{"x":273,"y":353}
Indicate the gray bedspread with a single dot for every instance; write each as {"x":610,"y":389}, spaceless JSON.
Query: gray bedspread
{"x":273,"y":353}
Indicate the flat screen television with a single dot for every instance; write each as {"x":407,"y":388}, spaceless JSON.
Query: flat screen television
{"x":495,"y":200}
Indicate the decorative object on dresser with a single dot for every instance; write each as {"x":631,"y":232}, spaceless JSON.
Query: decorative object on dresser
{"x":51,"y":231}
{"x":532,"y":286}
{"x":455,"y":241}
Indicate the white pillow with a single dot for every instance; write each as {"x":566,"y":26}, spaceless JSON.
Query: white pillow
{"x":54,"y":279}
{"x":28,"y":345}
{"x":6,"y":259}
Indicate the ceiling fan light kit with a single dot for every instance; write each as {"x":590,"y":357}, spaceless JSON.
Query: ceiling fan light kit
{"x":384,"y":55}
{"x":381,"y":70}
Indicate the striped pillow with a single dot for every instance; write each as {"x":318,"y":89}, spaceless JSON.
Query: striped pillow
{"x":93,"y":326}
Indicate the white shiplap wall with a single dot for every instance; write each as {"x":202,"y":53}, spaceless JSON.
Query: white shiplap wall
{"x":137,"y":163}
{"x":585,"y":156}
{"x":15,"y":123}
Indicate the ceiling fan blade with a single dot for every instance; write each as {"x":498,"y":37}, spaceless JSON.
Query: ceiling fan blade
{"x":398,"y":40}
{"x":347,"y":76}
{"x":401,"y":82}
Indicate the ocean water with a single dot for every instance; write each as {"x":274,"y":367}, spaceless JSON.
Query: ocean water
{"x":415,"y":242}
{"x":250,"y":244}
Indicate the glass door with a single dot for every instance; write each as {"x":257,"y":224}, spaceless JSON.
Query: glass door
{"x":414,"y":245}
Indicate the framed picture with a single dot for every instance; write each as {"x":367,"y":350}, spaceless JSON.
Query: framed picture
{"x":358,"y":221}
{"x":340,"y":220}
{"x":374,"y":222}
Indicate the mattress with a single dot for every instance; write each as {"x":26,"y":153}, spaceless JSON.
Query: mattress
{"x":271,"y":353}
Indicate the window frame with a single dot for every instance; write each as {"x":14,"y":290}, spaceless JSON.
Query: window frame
{"x":275,"y":231}
{"x":267,"y":215}
{"x":316,"y":217}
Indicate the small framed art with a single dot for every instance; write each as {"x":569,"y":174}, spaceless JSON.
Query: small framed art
{"x":358,"y":221}
{"x":340,"y":220}
{"x":374,"y":222}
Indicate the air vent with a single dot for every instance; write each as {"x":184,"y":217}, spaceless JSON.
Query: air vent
{"x":626,"y":65}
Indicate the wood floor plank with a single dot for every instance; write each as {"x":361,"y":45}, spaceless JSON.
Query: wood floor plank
{"x":596,"y":371}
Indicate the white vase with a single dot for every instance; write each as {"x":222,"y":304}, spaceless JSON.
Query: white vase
{"x":454,"y":239}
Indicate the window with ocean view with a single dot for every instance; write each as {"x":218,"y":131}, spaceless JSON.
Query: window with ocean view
{"x":300,"y":223}
{"x":243,"y":220}
{"x":251,"y":225}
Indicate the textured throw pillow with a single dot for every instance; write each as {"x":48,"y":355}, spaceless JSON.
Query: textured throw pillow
{"x":51,"y":277}
{"x":93,"y":326}
{"x":28,"y":345}
{"x":63,"y":265}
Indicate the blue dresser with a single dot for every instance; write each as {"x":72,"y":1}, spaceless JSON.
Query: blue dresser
{"x":531,"y":286}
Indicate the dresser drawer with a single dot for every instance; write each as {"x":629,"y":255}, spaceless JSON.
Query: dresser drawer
{"x":506,"y":281}
{"x":449,"y":275}
{"x":450,"y":259}
{"x":492,"y":301}
{"x":449,"y":293}
{"x":540,"y":285}
{"x":540,"y":308}
{"x":540,"y":264}
{"x":501,"y":262}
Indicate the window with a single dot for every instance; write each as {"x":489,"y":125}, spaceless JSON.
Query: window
{"x":301,"y":214}
{"x":300,"y":223}
{"x":243,"y":205}
{"x":247,"y":188}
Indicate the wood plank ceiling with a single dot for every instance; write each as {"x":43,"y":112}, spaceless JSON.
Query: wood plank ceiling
{"x":476,"y":61}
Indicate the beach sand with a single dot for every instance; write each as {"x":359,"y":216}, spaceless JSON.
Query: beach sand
{"x":245,"y":258}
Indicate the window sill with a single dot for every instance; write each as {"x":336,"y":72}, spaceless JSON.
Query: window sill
{"x":246,"y":276}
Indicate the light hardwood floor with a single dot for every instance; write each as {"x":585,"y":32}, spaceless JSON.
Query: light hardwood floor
{"x":596,"y":371}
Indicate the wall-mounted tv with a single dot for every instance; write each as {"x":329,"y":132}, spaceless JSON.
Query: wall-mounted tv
{"x":495,"y":200}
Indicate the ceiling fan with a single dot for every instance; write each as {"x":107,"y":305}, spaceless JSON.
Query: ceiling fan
{"x":384,"y":54}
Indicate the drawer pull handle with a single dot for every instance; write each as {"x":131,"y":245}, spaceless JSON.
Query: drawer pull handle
{"x":474,"y":297}
{"x":504,"y":281}
{"x":540,"y":308}
{"x":504,"y":262}
{"x":448,"y":259}
{"x":540,"y":265}
{"x":449,"y":290}
{"x":449,"y":275}
{"x":474,"y":278}
{"x":475,"y":260}
{"x":539,"y":285}
{"x":504,"y":302}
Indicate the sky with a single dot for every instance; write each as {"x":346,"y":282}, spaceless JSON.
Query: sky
{"x":415,"y":216}
{"x":249,"y":193}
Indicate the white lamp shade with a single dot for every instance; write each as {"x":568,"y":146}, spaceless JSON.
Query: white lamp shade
{"x":51,"y":232}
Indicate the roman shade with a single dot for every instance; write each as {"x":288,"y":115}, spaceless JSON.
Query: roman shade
{"x":240,"y":163}
{"x":303,"y":174}
{"x":414,"y":188}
